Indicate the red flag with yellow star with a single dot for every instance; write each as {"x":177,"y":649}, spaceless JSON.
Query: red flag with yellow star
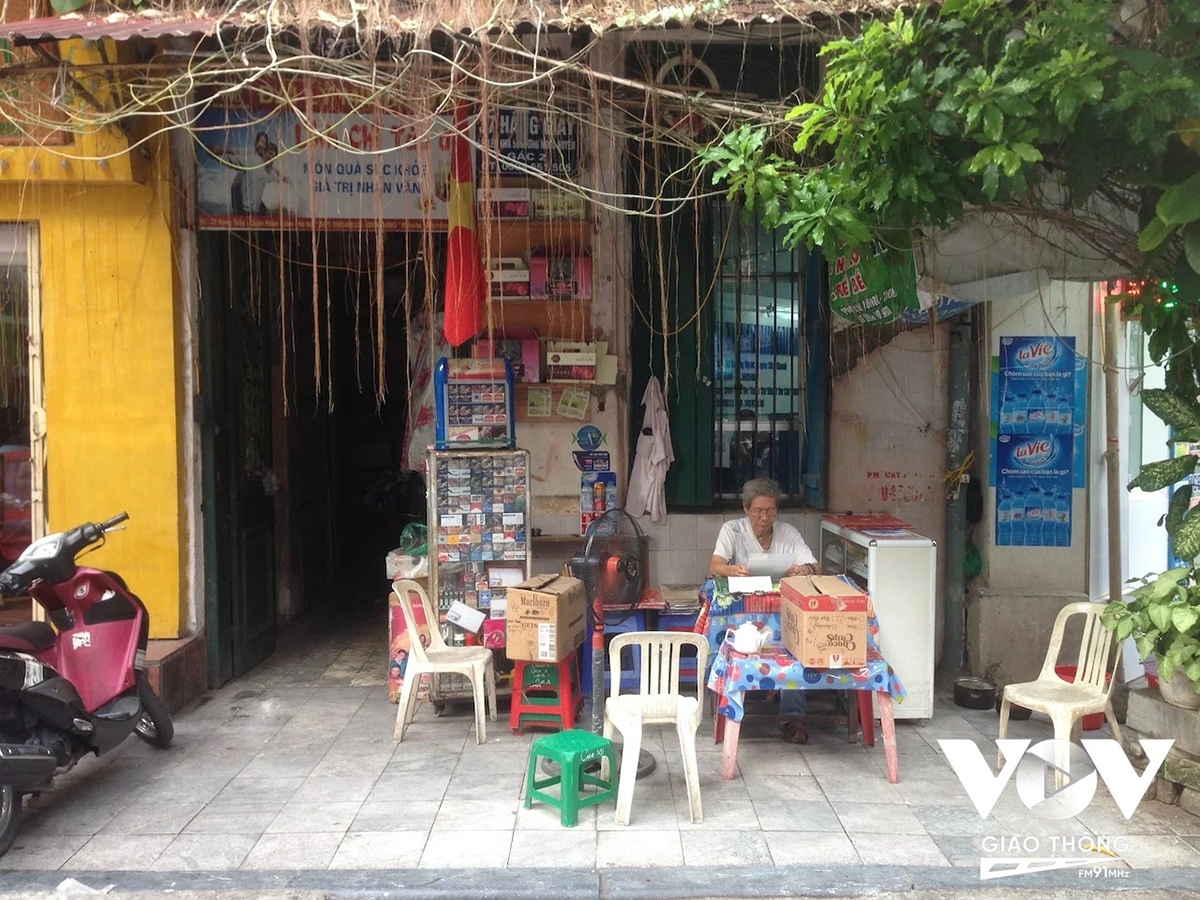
{"x":466,"y":283}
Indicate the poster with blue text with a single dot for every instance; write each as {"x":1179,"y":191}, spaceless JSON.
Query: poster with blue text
{"x":1033,"y":490}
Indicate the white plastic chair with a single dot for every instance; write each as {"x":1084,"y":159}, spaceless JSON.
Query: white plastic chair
{"x":1066,"y":702}
{"x":473,"y":663}
{"x":658,"y":701}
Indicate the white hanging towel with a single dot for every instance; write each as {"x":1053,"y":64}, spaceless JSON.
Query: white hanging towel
{"x":653,"y":456}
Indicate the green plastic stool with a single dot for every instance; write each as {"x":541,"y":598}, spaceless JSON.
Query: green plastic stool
{"x":572,"y":750}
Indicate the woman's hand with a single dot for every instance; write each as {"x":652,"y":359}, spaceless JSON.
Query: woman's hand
{"x":737,"y":570}
{"x":806,"y":569}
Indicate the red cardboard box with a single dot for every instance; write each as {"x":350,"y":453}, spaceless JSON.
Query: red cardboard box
{"x":560,"y":276}
{"x":520,"y":347}
{"x":823,"y":621}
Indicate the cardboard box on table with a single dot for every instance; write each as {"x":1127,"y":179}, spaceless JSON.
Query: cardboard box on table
{"x":399,"y":639}
{"x":547,"y":616}
{"x":823,"y":621}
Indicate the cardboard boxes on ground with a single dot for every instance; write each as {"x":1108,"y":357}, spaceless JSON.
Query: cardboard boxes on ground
{"x":547,"y":616}
{"x":823,"y":621}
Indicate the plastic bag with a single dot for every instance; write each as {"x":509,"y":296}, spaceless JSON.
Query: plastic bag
{"x":403,"y":565}
{"x":414,"y":539}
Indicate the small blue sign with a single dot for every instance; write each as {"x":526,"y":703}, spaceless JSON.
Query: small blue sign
{"x":589,"y":438}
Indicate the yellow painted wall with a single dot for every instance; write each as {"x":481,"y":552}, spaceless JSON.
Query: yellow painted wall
{"x":111,"y":369}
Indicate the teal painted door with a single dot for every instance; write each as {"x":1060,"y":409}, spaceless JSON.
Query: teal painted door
{"x":237,"y":295}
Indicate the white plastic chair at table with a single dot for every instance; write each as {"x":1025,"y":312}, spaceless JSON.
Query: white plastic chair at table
{"x":1066,"y":702}
{"x":473,"y":663}
{"x":658,"y":701}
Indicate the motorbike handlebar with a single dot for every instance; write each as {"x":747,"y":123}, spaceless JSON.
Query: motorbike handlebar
{"x":109,"y":524}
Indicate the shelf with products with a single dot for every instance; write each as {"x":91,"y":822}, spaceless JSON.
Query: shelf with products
{"x":517,"y":237}
{"x":565,"y":320}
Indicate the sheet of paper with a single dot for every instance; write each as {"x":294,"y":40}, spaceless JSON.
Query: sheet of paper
{"x":540,"y":403}
{"x":748,"y":584}
{"x":573,"y":404}
{"x":773,"y":564}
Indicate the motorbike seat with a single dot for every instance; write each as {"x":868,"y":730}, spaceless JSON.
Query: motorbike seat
{"x":27,"y":637}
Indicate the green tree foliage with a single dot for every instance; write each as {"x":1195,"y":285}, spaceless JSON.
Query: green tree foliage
{"x":1051,"y":110}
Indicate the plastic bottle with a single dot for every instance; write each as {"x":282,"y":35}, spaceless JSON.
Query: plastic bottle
{"x":1033,"y":517}
{"x":1035,"y":413}
{"x":1018,"y":520}
{"x":1006,"y":408}
{"x":1020,"y":412}
{"x":1053,"y":409}
{"x":1004,"y":523}
{"x":610,"y":495}
{"x":1062,"y":519}
{"x":1066,"y":408}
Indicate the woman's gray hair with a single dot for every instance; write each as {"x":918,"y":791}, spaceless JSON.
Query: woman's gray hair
{"x":759,"y":487}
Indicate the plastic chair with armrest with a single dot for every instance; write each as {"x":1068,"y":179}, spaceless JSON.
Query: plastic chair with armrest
{"x":1067,"y":702}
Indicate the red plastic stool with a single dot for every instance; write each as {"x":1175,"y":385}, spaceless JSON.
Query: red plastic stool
{"x":545,"y":694}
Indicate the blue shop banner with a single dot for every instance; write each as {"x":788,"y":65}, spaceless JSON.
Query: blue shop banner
{"x":1033,"y":490}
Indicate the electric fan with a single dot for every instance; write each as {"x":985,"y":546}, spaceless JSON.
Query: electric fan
{"x":613,"y":574}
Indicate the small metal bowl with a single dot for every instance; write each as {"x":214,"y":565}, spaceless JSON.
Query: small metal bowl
{"x":974,"y":693}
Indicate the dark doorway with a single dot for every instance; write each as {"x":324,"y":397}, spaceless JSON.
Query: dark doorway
{"x":335,"y":379}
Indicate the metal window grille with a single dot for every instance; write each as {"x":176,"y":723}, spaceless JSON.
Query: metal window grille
{"x":758,"y":354}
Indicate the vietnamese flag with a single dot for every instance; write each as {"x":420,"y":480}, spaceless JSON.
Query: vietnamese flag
{"x":466,"y":284}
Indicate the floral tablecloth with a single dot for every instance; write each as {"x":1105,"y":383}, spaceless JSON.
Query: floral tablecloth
{"x":774,"y":668}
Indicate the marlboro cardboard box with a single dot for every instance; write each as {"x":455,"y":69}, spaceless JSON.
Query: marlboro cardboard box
{"x":560,"y":276}
{"x":504,"y":203}
{"x":546,"y":618}
{"x":823,"y":621}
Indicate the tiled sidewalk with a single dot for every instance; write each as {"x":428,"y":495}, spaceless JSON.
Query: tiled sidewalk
{"x":293,"y":768}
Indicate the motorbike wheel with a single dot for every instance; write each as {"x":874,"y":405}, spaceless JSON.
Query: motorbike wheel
{"x":10,"y":816}
{"x":154,"y":726}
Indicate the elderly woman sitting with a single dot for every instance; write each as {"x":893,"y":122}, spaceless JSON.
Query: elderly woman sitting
{"x":759,"y":532}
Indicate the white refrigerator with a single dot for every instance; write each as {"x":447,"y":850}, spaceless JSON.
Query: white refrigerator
{"x":898,"y":568}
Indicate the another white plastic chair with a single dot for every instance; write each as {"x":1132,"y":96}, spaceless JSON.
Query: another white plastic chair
{"x":473,"y":663}
{"x":1066,"y":702}
{"x":658,"y":701}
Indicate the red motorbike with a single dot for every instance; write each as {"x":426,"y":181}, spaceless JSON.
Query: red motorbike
{"x":78,"y":684}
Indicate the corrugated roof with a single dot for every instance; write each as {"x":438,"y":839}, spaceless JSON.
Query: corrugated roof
{"x":422,"y":16}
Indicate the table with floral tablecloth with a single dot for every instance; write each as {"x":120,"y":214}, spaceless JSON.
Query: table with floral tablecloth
{"x":774,"y":668}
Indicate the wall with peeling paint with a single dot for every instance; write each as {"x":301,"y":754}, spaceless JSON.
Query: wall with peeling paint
{"x":887,"y":437}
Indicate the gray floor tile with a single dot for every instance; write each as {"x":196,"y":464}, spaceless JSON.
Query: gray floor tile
{"x":818,"y":849}
{"x":893,"y":849}
{"x":466,"y":849}
{"x":154,"y":817}
{"x":862,"y":789}
{"x":639,"y":848}
{"x":333,"y":789}
{"x":246,"y":789}
{"x":405,"y":786}
{"x":563,"y":847}
{"x":877,"y":818}
{"x":796,"y":816}
{"x":370,"y":763}
{"x":42,"y":851}
{"x":204,"y":852}
{"x":704,"y":849}
{"x":951,"y":820}
{"x":280,"y":764}
{"x":385,"y":815}
{"x":485,"y":787}
{"x":497,"y":762}
{"x":380,"y":850}
{"x":782,"y":787}
{"x":299,"y":818}
{"x":476,"y":815}
{"x":220,"y":819}
{"x":962,"y":849}
{"x":1155,"y":851}
{"x":542,"y":817}
{"x":733,"y":815}
{"x":113,"y":852}
{"x":293,"y":851}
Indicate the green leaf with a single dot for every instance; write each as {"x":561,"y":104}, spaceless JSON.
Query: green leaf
{"x":1184,"y":617}
{"x":1187,"y":538}
{"x":1157,"y":475}
{"x":991,"y":181}
{"x":1191,"y":244}
{"x":1153,"y":234}
{"x":1124,"y":629}
{"x":1181,"y":500}
{"x":66,"y":6}
{"x":993,"y":123}
{"x":1180,"y":203}
{"x":1027,"y":152}
{"x":1177,"y":413}
{"x":1160,"y":615}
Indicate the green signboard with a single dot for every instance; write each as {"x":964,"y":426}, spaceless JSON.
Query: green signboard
{"x":872,"y":286}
